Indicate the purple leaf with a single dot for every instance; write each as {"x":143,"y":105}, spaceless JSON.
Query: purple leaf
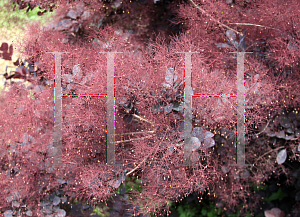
{"x":231,"y":35}
{"x":199,"y":133}
{"x":292,"y":46}
{"x":56,"y":201}
{"x":209,"y":142}
{"x":281,"y":157}
{"x":223,"y":45}
{"x":195,"y":143}
{"x":168,"y":108}
{"x":171,"y":77}
{"x":195,"y":157}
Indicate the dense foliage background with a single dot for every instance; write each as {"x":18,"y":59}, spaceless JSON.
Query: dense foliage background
{"x":149,"y":88}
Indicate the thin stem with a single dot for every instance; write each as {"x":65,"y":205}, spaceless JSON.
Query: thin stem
{"x":144,"y":160}
{"x":134,"y":133}
{"x":142,"y":119}
{"x":263,"y":129}
{"x":139,"y":164}
{"x":250,"y":24}
{"x":217,"y":21}
{"x":117,"y":142}
{"x":136,"y":167}
{"x":79,"y":84}
{"x":268,"y":153}
{"x":71,"y":163}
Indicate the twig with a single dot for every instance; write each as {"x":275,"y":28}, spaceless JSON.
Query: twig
{"x":79,"y":84}
{"x":71,"y":163}
{"x":136,"y":166}
{"x":117,"y":142}
{"x":263,"y":129}
{"x":204,"y":12}
{"x":139,"y":164}
{"x":142,"y":119}
{"x":250,"y":24}
{"x":268,"y":153}
{"x":143,"y":160}
{"x":133,"y":133}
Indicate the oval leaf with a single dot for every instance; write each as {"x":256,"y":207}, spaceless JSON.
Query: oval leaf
{"x":223,"y":45}
{"x":56,"y":201}
{"x":209,"y":142}
{"x":116,"y":184}
{"x":199,"y":133}
{"x":195,"y":143}
{"x":231,"y":35}
{"x":177,"y":107}
{"x":168,"y":108}
{"x":171,"y":77}
{"x":281,"y":157}
{"x":192,"y":146}
{"x":77,"y":72}
{"x":209,"y":134}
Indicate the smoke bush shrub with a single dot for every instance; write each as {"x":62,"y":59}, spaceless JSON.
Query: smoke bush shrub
{"x":27,"y":121}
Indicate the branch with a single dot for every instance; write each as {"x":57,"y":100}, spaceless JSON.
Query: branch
{"x":217,"y":21}
{"x":133,"y":133}
{"x":142,"y":119}
{"x":117,"y":142}
{"x":137,"y":166}
{"x":250,"y":24}
{"x":262,"y":130}
{"x":268,"y":153}
{"x":143,"y":160}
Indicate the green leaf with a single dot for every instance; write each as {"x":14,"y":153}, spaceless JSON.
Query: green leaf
{"x":279,"y":195}
{"x":211,"y":214}
{"x":258,"y":188}
{"x":181,"y":212}
{"x":102,"y":212}
{"x":248,"y":214}
{"x":204,"y":211}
